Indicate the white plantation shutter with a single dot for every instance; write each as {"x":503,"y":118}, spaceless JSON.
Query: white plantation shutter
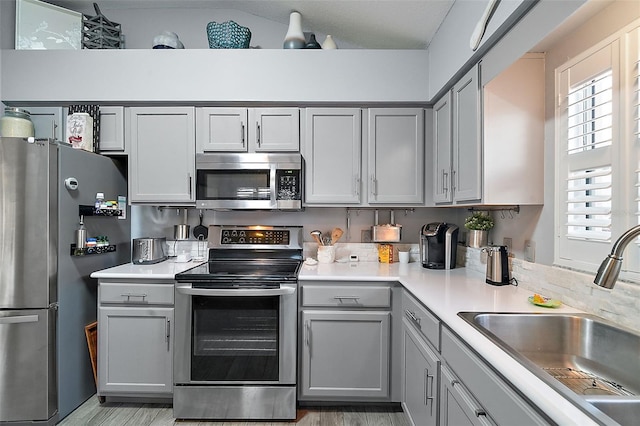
{"x":587,"y":141}
{"x":589,"y":136}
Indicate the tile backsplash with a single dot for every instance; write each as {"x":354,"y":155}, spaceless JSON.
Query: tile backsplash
{"x":620,"y":305}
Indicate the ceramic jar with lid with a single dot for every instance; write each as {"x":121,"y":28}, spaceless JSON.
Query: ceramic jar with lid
{"x":16,"y":122}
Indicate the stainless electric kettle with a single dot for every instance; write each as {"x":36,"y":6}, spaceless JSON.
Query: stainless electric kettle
{"x":497,"y":265}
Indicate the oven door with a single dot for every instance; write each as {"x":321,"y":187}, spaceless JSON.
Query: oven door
{"x":235,"y":336}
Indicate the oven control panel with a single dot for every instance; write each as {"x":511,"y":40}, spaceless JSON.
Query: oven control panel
{"x":255,"y":236}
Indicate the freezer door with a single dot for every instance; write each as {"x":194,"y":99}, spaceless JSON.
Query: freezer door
{"x":27,"y":365}
{"x":29,"y":224}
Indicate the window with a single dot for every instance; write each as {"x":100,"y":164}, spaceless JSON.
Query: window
{"x":598,"y":152}
{"x":587,"y":141}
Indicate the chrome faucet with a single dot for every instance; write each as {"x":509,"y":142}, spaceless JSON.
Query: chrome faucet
{"x":610,"y":267}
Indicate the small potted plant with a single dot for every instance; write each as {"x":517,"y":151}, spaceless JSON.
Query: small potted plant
{"x":478,"y":225}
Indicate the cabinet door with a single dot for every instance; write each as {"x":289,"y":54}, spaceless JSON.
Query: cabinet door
{"x":274,"y":129}
{"x":457,"y":406}
{"x":332,"y":152}
{"x":47,"y":121}
{"x":396,"y":155}
{"x":467,"y":144}
{"x":135,"y":350}
{"x":162,"y":163}
{"x":221,"y":129}
{"x":112,"y":129}
{"x":442,"y":150}
{"x":345,"y":354}
{"x":421,"y":369}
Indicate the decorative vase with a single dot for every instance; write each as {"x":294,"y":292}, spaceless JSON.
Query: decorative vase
{"x":294,"y":39}
{"x":312,"y":43}
{"x":329,"y":43}
{"x":477,"y":239}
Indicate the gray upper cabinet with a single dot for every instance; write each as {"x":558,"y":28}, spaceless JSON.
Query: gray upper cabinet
{"x":247,"y":130}
{"x":48,"y":122}
{"x":112,"y":130}
{"x":396,"y":156}
{"x":489,"y":142}
{"x":466,"y":144}
{"x":442,"y":150}
{"x":332,"y":149}
{"x":457,"y":147}
{"x":162,"y":159}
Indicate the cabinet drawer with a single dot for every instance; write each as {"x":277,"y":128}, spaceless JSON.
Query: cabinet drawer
{"x":136,"y":293}
{"x":495,"y":395}
{"x":423,"y":320}
{"x":347,"y":296}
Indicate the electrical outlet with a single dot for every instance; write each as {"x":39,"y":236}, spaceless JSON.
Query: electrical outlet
{"x":530,"y":251}
{"x":365,"y":236}
{"x":507,"y":242}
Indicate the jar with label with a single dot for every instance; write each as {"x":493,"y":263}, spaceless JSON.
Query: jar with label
{"x":17,"y":123}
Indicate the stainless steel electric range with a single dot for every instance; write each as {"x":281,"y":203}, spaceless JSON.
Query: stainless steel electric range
{"x":236,"y":322}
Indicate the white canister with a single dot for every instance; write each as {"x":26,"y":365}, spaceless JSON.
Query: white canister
{"x":326,"y":254}
{"x":80,"y":131}
{"x":16,"y":122}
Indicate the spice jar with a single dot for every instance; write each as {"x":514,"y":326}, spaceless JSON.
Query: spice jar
{"x":16,"y":122}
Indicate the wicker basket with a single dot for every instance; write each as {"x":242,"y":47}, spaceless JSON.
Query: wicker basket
{"x":228,"y":35}
{"x":98,"y":32}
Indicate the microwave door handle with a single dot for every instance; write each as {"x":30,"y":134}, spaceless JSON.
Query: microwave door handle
{"x":222,"y":292}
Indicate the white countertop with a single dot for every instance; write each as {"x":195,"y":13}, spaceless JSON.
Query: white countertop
{"x":446,"y":293}
{"x":165,"y":270}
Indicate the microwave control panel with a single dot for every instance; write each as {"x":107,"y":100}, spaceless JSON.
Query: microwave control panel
{"x":288,"y":184}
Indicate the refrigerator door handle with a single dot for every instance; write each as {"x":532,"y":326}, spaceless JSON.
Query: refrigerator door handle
{"x":18,"y":319}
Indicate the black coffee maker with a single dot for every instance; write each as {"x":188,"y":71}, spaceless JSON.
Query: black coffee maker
{"x":438,"y":245}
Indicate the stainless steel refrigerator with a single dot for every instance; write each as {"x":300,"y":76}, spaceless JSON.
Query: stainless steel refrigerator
{"x":46,"y":295}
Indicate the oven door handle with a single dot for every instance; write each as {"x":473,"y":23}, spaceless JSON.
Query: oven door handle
{"x":216,"y":292}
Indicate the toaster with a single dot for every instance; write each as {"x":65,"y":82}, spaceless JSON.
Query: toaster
{"x":148,"y":250}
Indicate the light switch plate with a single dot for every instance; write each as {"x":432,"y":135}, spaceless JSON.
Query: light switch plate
{"x":530,"y":251}
{"x":508,"y":242}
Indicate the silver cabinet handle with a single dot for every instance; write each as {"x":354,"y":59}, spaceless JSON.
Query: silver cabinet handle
{"x":137,"y":295}
{"x":445,"y":187}
{"x":242,"y":133}
{"x":428,"y":392}
{"x":374,"y":185}
{"x":19,"y":319}
{"x":258,"y":132}
{"x":352,"y":298}
{"x":413,"y":317}
{"x":190,"y":182}
{"x":453,"y":180}
{"x":168,"y":336}
{"x":357,"y":185}
{"x":307,"y":335}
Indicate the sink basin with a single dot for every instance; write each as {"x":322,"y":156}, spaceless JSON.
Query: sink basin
{"x":591,"y":361}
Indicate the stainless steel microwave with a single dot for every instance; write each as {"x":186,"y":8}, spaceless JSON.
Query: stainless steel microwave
{"x":243,"y":181}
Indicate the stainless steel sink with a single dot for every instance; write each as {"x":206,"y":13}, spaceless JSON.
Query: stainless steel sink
{"x":591,"y":361}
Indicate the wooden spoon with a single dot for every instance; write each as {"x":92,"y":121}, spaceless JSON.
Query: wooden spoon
{"x":336,"y":234}
{"x":316,"y":236}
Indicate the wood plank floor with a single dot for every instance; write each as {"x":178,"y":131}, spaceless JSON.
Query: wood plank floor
{"x":120,"y":414}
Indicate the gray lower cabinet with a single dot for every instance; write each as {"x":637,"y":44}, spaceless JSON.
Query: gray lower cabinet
{"x":421,"y":376}
{"x":470,"y":388}
{"x":344,"y":342}
{"x":135,"y":339}
{"x":458,"y":407}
